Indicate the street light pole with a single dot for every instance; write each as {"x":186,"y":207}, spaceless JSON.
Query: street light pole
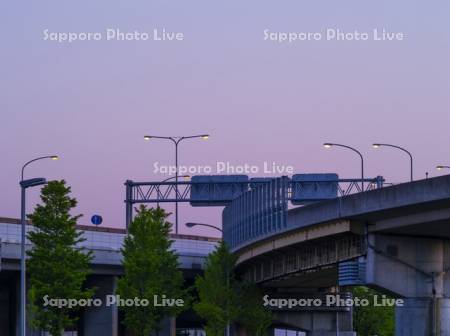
{"x":378,"y":145}
{"x":329,"y":145}
{"x":23,"y":300}
{"x":176,"y":185}
{"x":190,"y":225}
{"x":24,"y":184}
{"x":176,"y":141}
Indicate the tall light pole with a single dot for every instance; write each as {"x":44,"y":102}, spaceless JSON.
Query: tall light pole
{"x":378,"y":145}
{"x":190,"y":225}
{"x":329,"y":145}
{"x":176,"y":141}
{"x":24,"y":184}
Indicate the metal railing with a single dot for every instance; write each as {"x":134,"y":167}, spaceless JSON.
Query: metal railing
{"x":224,"y":193}
{"x":257,"y":212}
{"x":262,"y":210}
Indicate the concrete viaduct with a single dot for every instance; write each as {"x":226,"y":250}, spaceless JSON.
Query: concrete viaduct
{"x":394,"y":238}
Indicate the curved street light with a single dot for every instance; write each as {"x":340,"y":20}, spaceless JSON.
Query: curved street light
{"x":440,"y":167}
{"x":53,"y":157}
{"x":378,"y":145}
{"x":186,"y":177}
{"x":190,"y":225}
{"x":330,"y":144}
{"x":176,"y":141}
{"x":24,"y":184}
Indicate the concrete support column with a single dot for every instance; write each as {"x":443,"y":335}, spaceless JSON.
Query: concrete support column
{"x":417,"y":269}
{"x":173,"y":326}
{"x":101,"y":320}
{"x":444,"y":314}
{"x":317,"y":322}
{"x":415,"y":317}
{"x":168,"y":327}
{"x":5,"y":313}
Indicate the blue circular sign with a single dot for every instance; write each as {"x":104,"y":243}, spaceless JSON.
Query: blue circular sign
{"x":96,"y":220}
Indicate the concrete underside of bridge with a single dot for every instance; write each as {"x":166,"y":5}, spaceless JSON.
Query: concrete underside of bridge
{"x":401,"y":232}
{"x":313,"y":321}
{"x":309,"y":284}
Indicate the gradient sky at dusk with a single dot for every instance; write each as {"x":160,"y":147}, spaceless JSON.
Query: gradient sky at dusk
{"x":91,"y":102}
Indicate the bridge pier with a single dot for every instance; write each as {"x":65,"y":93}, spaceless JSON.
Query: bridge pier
{"x":416,"y":317}
{"x":101,"y":320}
{"x":417,"y":269}
{"x":317,"y":323}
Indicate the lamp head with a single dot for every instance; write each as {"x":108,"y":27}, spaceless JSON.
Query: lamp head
{"x":190,"y":225}
{"x":439,"y":167}
{"x":54,"y":157}
{"x":147,"y":137}
{"x":34,"y":182}
{"x":205,"y":136}
{"x":327,"y":145}
{"x":376,"y":145}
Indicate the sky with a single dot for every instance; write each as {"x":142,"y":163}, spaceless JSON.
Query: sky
{"x":261,"y":100}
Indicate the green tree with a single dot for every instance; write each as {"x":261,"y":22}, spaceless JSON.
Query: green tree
{"x":217,"y":291}
{"x":224,"y":300}
{"x":371,"y":320}
{"x":253,"y":316}
{"x":57,"y":266}
{"x":150,"y":270}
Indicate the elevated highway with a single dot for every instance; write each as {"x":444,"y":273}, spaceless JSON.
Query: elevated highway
{"x":394,"y":238}
{"x":105,"y":244}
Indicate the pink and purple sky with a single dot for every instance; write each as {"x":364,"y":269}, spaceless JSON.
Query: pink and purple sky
{"x":91,"y":102}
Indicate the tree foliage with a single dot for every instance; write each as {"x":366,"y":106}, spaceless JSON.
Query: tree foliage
{"x":150,"y":269}
{"x":372,"y":320}
{"x":223,"y":299}
{"x":253,"y":316}
{"x":217,"y":291}
{"x":57,"y":266}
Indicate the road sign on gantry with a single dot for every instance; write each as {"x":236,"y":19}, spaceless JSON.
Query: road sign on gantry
{"x":314,"y":187}
{"x":217,"y":190}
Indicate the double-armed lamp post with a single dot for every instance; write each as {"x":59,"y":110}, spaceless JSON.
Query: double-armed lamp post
{"x":176,"y":141}
{"x":24,"y":185}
